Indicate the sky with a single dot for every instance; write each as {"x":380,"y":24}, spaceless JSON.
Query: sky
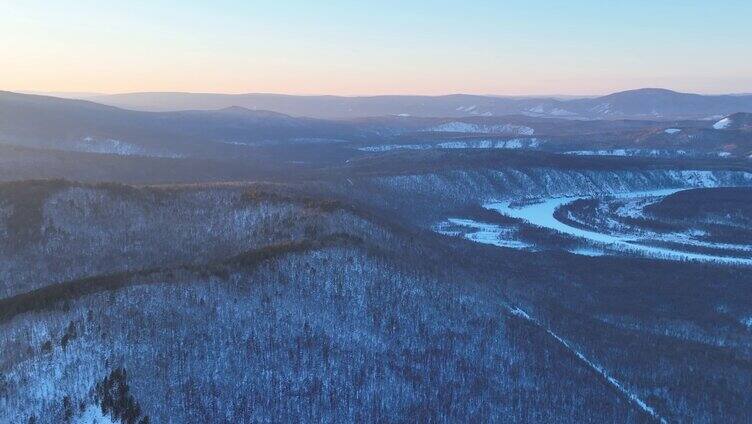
{"x":577,"y":47}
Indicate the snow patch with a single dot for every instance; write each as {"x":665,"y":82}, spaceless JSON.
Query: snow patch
{"x":672,"y":130}
{"x":465,"y":127}
{"x":603,"y":109}
{"x":520,"y":313}
{"x":515,"y":143}
{"x":722,"y":124}
{"x":629,"y":152}
{"x":481,"y":232}
{"x":747,"y":322}
{"x":389,"y":147}
{"x":588,"y":252}
{"x":111,"y":146}
{"x":540,"y":110}
{"x":93,"y":415}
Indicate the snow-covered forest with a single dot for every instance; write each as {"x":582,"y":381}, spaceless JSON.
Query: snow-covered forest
{"x":315,"y":302}
{"x":237,"y":265}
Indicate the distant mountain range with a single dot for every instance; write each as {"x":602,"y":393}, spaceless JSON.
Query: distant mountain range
{"x":80,"y":125}
{"x":648,"y":103}
{"x":240,"y":133}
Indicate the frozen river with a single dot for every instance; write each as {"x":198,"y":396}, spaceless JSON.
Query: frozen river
{"x":542,"y":215}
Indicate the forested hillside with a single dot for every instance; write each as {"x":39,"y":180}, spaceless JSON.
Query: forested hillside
{"x":379,"y":323}
{"x":319,"y":302}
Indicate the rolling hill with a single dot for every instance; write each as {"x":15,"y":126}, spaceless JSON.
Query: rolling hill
{"x":78,"y":125}
{"x":648,"y":103}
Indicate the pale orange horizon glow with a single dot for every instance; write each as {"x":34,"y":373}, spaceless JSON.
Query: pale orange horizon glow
{"x":346,"y":49}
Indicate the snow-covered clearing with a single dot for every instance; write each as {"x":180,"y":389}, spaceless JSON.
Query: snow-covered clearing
{"x":722,"y":124}
{"x":628,"y":152}
{"x":114,"y":147}
{"x":515,"y":143}
{"x":481,"y":232}
{"x":466,"y":127}
{"x":94,"y":415}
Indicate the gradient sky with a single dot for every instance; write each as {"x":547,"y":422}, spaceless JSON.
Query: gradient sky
{"x":385,"y":47}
